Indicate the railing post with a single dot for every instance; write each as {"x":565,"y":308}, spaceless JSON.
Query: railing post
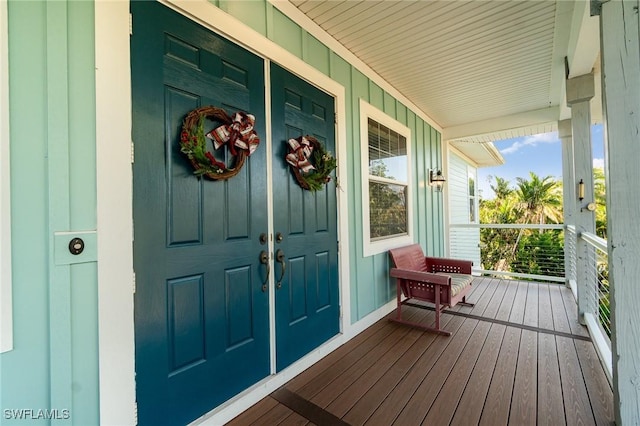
{"x":568,"y":193}
{"x":580,"y":90}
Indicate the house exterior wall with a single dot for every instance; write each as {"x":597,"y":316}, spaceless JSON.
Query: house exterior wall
{"x":464,"y":243}
{"x":54,"y":363}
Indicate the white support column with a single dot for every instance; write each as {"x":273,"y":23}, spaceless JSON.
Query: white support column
{"x":580,"y":90}
{"x":620,"y":41}
{"x":569,"y":190}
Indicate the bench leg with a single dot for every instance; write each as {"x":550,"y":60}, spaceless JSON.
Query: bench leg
{"x":465,"y":303}
{"x":438,"y":309}
{"x":399,"y":300}
{"x":436,"y":289}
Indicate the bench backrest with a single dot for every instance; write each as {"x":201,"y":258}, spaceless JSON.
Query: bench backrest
{"x":409,"y":257}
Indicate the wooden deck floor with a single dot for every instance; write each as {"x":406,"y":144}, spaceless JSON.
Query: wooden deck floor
{"x":518,"y":357}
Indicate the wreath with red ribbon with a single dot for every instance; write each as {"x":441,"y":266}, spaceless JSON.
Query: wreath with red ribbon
{"x":310,"y":162}
{"x":235,"y":132}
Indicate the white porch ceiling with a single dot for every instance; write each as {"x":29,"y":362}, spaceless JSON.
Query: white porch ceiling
{"x":482,"y":70}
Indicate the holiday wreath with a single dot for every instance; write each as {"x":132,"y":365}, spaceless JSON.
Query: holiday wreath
{"x":236,"y":132}
{"x":310,"y":162}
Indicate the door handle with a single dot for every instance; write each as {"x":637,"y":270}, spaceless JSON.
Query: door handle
{"x":264,"y":259}
{"x":281,"y":261}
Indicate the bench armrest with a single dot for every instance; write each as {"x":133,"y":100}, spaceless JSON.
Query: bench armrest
{"x":426,"y":277}
{"x":442,"y":264}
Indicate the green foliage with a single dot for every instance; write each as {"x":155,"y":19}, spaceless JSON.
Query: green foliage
{"x":534,"y":200}
{"x":600,"y":194}
{"x":324,"y":163}
{"x":388,"y":209}
{"x":387,"y":204}
{"x":540,"y":253}
{"x":540,"y":199}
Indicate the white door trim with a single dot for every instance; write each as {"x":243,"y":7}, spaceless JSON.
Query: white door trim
{"x":115,"y":192}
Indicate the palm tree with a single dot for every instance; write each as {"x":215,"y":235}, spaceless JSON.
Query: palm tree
{"x":501,"y":188}
{"x":540,"y":199}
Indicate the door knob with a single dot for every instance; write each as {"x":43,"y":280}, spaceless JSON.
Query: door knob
{"x":264,"y":259}
{"x":281,"y":261}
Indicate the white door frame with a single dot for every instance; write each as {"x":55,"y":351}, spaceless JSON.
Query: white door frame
{"x":116,"y":280}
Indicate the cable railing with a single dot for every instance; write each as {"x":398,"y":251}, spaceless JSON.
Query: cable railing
{"x":570,"y":250}
{"x":524,"y":251}
{"x":597,"y":313}
{"x":598,"y":279}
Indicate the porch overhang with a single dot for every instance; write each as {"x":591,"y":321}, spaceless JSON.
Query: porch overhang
{"x":483,"y":71}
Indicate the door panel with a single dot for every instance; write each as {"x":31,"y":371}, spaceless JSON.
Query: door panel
{"x":307,"y":302}
{"x":201,"y":317}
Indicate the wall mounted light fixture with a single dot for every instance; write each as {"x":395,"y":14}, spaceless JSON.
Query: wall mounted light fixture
{"x":581,"y":190}
{"x":436,"y":179}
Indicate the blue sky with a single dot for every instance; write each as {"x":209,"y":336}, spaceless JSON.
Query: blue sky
{"x":541,"y":154}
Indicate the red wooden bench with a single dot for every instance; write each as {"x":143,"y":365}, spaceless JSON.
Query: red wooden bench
{"x":441,"y":281}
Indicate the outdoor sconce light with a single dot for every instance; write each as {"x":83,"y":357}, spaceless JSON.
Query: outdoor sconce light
{"x":437,"y":180}
{"x":581,"y":190}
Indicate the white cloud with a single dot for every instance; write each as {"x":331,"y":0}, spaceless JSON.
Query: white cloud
{"x":598,"y":163}
{"x":531,"y":141}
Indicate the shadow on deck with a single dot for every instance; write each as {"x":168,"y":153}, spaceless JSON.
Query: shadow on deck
{"x":518,"y":357}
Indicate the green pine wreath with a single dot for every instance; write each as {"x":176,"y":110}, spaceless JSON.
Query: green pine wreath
{"x":323,"y":162}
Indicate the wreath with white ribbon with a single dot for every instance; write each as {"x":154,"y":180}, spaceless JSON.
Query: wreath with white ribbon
{"x":310,"y":162}
{"x":236,"y":133}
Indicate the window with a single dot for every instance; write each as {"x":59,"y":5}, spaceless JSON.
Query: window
{"x":472,"y":198}
{"x":385,"y":181}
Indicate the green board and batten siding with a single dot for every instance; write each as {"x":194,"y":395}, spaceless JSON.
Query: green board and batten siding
{"x":53,"y":170}
{"x":54,"y":362}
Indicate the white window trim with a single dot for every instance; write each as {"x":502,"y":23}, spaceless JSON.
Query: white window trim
{"x":472,"y":173}
{"x":369,"y":247}
{"x":6,"y":298}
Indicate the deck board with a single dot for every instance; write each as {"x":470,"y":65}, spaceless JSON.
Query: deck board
{"x":254,"y":413}
{"x":598,"y":387}
{"x":482,"y":303}
{"x":560,"y":318}
{"x":418,"y":406}
{"x":524,"y":398}
{"x":470,"y":406}
{"x":386,"y":412}
{"x":545,"y":318}
{"x":571,"y":309}
{"x":374,"y":397}
{"x":442,"y":409}
{"x":498,"y":401}
{"x":504,"y":312}
{"x":550,"y":402}
{"x":368,"y":373}
{"x":491,"y":373}
{"x":493,"y":307}
{"x":577,"y":404}
{"x":519,"y":303}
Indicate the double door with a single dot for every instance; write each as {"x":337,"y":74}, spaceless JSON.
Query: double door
{"x":202,"y":311}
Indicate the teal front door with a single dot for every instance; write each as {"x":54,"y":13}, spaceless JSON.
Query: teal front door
{"x":203,"y":250}
{"x":305,"y":224}
{"x":201,"y":316}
